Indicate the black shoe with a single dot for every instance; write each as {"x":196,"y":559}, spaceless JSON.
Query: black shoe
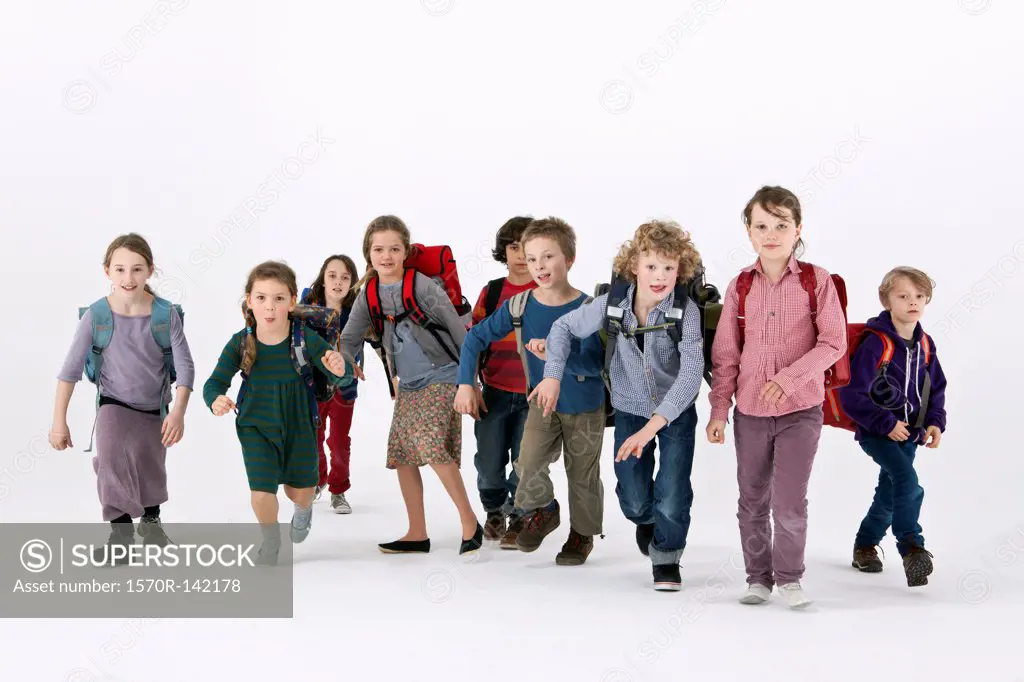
{"x":644,"y":536}
{"x":474,"y":543}
{"x":667,"y":578}
{"x":105,"y":555}
{"x":152,"y":532}
{"x":405,"y":547}
{"x":917,"y":564}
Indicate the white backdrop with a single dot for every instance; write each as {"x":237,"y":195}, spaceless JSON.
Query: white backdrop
{"x":228,"y":133}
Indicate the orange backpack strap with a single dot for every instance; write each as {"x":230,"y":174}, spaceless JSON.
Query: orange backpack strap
{"x":888,"y":348}
{"x":926,"y":344}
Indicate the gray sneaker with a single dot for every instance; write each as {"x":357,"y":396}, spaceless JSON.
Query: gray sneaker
{"x":302,"y":521}
{"x":271,"y":546}
{"x":339,"y":504}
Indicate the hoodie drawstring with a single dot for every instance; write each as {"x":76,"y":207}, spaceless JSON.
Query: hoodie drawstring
{"x":906,"y":391}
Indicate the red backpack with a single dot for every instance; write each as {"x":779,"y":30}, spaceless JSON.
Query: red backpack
{"x":856,"y":333}
{"x":438,"y":263}
{"x":836,"y":376}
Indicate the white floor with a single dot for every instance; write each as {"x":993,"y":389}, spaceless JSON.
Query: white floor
{"x":511,"y":615}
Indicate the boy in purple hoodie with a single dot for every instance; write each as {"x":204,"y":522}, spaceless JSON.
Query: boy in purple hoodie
{"x":896,"y":408}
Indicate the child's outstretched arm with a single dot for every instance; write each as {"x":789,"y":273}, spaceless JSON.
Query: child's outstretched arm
{"x":856,"y":397}
{"x":217,"y":386}
{"x":831,"y":328}
{"x":578,"y":325}
{"x":725,"y":357}
{"x":329,"y":361}
{"x":479,"y":337}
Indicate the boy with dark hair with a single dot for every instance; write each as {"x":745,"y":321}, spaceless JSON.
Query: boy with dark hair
{"x":502,"y":400}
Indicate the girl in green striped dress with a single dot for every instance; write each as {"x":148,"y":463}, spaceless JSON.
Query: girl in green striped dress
{"x":275,"y":425}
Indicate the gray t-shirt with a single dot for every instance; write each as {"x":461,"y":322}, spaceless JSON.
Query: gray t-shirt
{"x":414,"y":368}
{"x":133,"y":366}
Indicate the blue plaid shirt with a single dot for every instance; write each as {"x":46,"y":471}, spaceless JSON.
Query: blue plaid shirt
{"x":662,"y":379}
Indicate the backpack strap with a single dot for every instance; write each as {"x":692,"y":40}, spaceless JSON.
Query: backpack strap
{"x":412,"y":307}
{"x":102,"y":333}
{"x":809,"y":281}
{"x":516,"y":307}
{"x":494,"y":288}
{"x":613,"y":316}
{"x":374,"y":308}
{"x":160,"y":323}
{"x":743,"y":285}
{"x":680,"y":299}
{"x":304,"y":366}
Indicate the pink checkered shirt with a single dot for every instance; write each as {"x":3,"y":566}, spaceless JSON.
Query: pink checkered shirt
{"x":781,"y":344}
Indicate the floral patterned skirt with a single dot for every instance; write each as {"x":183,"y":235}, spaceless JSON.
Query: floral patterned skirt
{"x":425,"y":428}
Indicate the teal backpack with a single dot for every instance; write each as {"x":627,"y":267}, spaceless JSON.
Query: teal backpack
{"x":103,"y":332}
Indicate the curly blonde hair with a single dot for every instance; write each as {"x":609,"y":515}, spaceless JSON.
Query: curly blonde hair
{"x":664,"y":237}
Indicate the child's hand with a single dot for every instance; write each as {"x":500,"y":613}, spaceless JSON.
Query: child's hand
{"x":634,"y":445}
{"x":357,"y":372}
{"x":932,"y":437}
{"x":547,"y":395}
{"x":899,"y":432}
{"x":173,"y":428}
{"x":222,"y":405}
{"x":716,"y":431}
{"x":60,"y":437}
{"x":335,"y":362}
{"x":466,"y":401}
{"x":772,"y":393}
{"x":538,"y":347}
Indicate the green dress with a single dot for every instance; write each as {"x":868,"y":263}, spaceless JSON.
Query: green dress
{"x":274,"y":424}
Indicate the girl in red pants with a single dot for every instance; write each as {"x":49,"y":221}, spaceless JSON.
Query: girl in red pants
{"x":333,"y":288}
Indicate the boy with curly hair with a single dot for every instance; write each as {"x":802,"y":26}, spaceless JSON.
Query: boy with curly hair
{"x":654,"y":380}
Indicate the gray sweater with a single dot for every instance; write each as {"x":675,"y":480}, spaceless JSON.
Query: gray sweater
{"x":421,"y":362}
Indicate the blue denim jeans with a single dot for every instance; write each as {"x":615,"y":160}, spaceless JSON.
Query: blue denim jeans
{"x":498,"y":435}
{"x":664,"y":500}
{"x":898,"y":496}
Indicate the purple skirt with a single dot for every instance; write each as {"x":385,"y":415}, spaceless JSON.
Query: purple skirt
{"x":130,"y":461}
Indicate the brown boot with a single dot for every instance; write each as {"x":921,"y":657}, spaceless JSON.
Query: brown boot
{"x":515,"y":527}
{"x":917,"y":564}
{"x":494,"y":527}
{"x":538,"y":524}
{"x":575,"y":550}
{"x":865,"y":560}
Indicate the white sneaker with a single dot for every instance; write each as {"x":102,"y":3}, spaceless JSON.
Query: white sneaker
{"x":755,"y":594}
{"x":340,"y":505}
{"x":794,"y":595}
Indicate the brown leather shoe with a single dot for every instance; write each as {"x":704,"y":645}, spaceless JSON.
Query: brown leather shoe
{"x":494,"y":527}
{"x":514,"y":528}
{"x":538,"y":524}
{"x":575,"y":550}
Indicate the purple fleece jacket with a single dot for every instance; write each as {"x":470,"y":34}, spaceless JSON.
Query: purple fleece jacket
{"x":876,"y":402}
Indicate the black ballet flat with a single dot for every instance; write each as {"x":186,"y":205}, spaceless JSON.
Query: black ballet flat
{"x":474,"y":543}
{"x":405,"y":547}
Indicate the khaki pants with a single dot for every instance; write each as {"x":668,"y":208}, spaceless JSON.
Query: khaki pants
{"x":544,"y":439}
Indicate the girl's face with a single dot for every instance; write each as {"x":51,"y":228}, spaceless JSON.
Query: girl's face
{"x":128,"y":272}
{"x":655,"y":275}
{"x":387,"y":255}
{"x":773,"y":238}
{"x":337,"y":282}
{"x":270,"y":302}
{"x":547,"y":262}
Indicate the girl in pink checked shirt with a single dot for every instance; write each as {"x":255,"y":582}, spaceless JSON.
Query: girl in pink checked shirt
{"x":774,"y":361}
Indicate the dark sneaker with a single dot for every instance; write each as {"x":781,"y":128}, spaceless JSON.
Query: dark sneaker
{"x":644,"y":536}
{"x":494,"y":527}
{"x":865,"y":559}
{"x":667,"y":578}
{"x":515,"y":526}
{"x":152,"y":532}
{"x":538,"y":524}
{"x":575,"y":550}
{"x":917,"y":564}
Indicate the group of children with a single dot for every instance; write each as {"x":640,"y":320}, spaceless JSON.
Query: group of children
{"x":543,"y":369}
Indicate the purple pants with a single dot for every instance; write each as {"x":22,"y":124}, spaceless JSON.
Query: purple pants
{"x":130,"y":461}
{"x":773,"y":466}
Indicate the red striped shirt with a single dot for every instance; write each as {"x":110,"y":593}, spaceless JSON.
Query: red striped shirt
{"x":781,"y":344}
{"x":504,"y":368}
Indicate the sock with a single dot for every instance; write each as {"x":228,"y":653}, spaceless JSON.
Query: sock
{"x":152,"y":512}
{"x":122,"y":525}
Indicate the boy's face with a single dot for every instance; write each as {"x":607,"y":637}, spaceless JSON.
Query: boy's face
{"x":546,"y":262}
{"x":337,"y":281}
{"x":128,"y":272}
{"x":655,"y":275}
{"x":515,"y":258}
{"x":906,"y":301}
{"x":271,"y":301}
{"x":773,"y":238}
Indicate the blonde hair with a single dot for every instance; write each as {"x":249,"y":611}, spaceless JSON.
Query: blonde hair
{"x":135,"y":243}
{"x":272,"y":270}
{"x":384,"y":223}
{"x":664,"y":237}
{"x":555,"y":229}
{"x":918,"y":278}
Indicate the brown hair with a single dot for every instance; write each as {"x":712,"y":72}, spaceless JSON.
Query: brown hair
{"x":552,"y":228}
{"x":384,"y":223}
{"x":135,"y":243}
{"x":317,"y":292}
{"x":771,"y":199}
{"x":664,"y":237}
{"x":509,"y":233}
{"x":916,"y":277}
{"x":275,"y":270}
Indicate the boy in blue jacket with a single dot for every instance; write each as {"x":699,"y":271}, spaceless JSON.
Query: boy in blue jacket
{"x":896,"y":406}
